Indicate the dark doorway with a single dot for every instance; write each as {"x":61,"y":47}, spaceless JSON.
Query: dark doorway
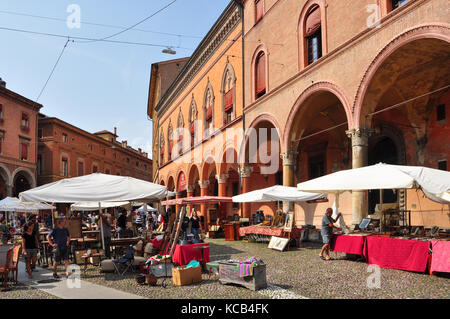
{"x":21,"y":184}
{"x":384,"y":151}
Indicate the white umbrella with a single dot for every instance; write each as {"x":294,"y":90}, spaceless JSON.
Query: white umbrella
{"x":434,"y":183}
{"x":13,"y":204}
{"x":96,"y":187}
{"x":276,"y":193}
{"x":142,"y":209}
{"x":92,"y":206}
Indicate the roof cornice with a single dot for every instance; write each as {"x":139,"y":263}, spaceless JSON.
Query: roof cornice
{"x":219,"y":32}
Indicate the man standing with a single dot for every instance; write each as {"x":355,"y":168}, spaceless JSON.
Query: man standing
{"x":121,"y":224}
{"x":138,"y":220}
{"x":327,"y":231}
{"x":107,"y":225}
{"x":35,"y":221}
{"x":59,"y":239}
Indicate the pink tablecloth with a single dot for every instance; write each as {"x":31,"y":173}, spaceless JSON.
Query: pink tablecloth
{"x":440,"y":260}
{"x":183,"y":254}
{"x":397,"y":253}
{"x":348,"y":244}
{"x":277,"y":232}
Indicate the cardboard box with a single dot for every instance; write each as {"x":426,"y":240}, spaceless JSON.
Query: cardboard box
{"x":78,"y":259}
{"x":182,"y":276}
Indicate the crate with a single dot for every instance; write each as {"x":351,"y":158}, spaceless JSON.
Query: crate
{"x":229,"y":274}
{"x":186,"y":276}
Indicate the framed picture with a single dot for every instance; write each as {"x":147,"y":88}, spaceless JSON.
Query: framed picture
{"x":289,"y":222}
{"x":278,"y":243}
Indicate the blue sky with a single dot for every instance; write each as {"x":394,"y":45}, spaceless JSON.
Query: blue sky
{"x":98,"y":85}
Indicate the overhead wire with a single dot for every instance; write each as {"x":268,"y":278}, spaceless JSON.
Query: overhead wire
{"x":85,"y":38}
{"x":377,"y":112}
{"x":53,"y":69}
{"x":134,"y":25}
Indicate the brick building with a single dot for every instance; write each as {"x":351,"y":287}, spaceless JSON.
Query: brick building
{"x":67,"y":151}
{"x":18,"y":142}
{"x":339,"y":84}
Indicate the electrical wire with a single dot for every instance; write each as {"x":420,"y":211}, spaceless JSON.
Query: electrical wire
{"x":84,"y":38}
{"x":54,"y":67}
{"x":100,"y":24}
{"x":377,"y":112}
{"x":134,"y":25}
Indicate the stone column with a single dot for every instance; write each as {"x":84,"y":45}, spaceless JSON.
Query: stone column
{"x":288,"y":163}
{"x":177,"y":196}
{"x":222,"y":191}
{"x":360,"y":145}
{"x":203,"y":207}
{"x":245,"y":172}
{"x":190,"y":193}
{"x":9,"y":190}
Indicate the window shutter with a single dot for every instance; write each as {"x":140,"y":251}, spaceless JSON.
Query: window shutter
{"x":313,"y":22}
{"x":24,"y":151}
{"x":209,"y":113}
{"x":261,"y":74}
{"x":229,"y":100}
{"x":259,"y":9}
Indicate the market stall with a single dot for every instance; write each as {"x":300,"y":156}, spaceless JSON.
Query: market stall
{"x":282,"y":222}
{"x":403,"y":246}
{"x":96,"y":188}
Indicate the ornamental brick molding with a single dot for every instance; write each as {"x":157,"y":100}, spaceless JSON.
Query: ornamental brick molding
{"x":317,"y":87}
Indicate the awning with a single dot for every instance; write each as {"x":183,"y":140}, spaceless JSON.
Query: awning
{"x":96,"y":187}
{"x":13,"y":204}
{"x":434,"y":183}
{"x":198,"y":200}
{"x":276,"y":193}
{"x":92,"y":206}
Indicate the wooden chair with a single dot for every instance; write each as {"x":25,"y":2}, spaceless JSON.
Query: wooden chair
{"x":4,"y":270}
{"x":14,"y":266}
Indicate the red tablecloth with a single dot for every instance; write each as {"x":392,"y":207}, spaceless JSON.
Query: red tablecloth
{"x":348,"y":244}
{"x":397,"y":253}
{"x":277,"y":232}
{"x":440,"y":260}
{"x":183,"y":254}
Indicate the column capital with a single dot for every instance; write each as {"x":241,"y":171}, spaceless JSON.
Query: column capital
{"x":360,"y":136}
{"x":190,"y":188}
{"x":289,"y":157}
{"x":245,"y":170}
{"x":203,"y":184}
{"x":222,"y":178}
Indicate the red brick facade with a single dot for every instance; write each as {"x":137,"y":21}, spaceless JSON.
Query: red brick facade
{"x":67,"y":151}
{"x":18,"y":142}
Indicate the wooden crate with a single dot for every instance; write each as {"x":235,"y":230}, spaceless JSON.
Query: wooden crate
{"x":229,"y":273}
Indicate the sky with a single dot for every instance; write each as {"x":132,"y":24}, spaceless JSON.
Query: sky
{"x":97,"y":85}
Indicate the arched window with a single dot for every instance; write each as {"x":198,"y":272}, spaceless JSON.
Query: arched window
{"x":180,"y":132}
{"x":394,"y":4}
{"x":170,"y":141}
{"x":229,"y":93}
{"x":208,"y":109}
{"x":193,"y":114}
{"x":259,"y":10}
{"x":260,"y":75}
{"x":313,"y":35}
{"x":161,"y":148}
